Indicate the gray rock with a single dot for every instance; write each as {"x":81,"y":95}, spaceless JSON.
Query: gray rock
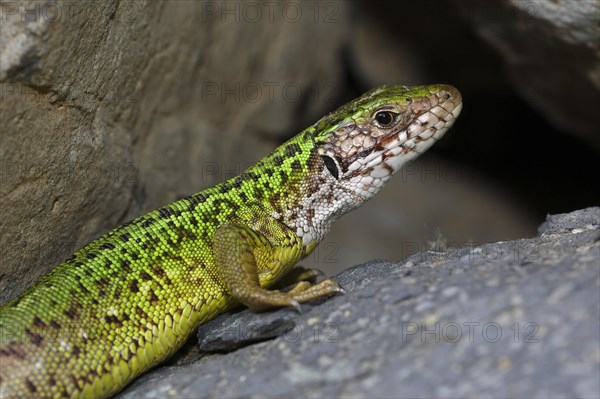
{"x":508,"y":319}
{"x":585,"y":219}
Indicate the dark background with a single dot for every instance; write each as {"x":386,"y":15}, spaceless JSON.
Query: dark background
{"x":500,"y":134}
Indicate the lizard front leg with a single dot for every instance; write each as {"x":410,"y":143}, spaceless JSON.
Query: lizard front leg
{"x":237,"y":250}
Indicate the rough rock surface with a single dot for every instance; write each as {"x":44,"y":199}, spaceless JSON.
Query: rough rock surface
{"x":508,"y":319}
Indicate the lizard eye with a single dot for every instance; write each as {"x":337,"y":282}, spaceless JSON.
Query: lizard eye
{"x":331,"y":166}
{"x":385,"y":118}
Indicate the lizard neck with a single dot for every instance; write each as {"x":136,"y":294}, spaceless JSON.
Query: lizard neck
{"x":302,"y":194}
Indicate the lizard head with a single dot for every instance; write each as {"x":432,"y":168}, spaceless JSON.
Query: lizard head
{"x":369,"y":139}
{"x":352,"y":152}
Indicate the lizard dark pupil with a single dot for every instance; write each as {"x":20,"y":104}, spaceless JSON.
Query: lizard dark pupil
{"x":384,"y":118}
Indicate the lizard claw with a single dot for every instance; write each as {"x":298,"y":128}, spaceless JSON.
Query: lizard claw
{"x":296,"y":305}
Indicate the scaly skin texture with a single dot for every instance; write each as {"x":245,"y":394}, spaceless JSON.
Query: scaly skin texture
{"x":131,"y":298}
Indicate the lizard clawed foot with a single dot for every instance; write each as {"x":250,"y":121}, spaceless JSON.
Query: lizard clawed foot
{"x":304,"y":291}
{"x":234,"y":247}
{"x":296,"y":275}
{"x":261,"y":299}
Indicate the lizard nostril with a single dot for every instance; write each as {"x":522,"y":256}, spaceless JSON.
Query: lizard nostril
{"x":446,"y":95}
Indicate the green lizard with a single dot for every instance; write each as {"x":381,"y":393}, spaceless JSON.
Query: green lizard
{"x":130,"y":299}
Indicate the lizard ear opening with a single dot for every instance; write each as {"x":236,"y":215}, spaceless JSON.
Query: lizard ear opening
{"x":331,"y":166}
